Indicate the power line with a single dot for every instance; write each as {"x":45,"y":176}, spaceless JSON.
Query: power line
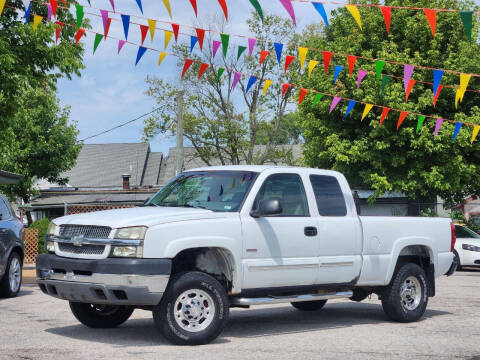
{"x":121,"y":125}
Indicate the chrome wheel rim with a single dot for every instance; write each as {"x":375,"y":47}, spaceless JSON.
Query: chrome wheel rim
{"x":410,"y":293}
{"x":15,"y":275}
{"x":194,"y":310}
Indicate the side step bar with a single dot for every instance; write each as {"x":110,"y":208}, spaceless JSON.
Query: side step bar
{"x":286,"y":299}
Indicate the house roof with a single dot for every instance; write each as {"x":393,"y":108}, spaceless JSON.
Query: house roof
{"x":7,"y":177}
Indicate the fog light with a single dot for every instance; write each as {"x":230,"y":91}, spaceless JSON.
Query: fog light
{"x":50,"y":246}
{"x":127,"y":251}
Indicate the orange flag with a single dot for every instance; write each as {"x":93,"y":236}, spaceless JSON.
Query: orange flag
{"x":432,"y":19}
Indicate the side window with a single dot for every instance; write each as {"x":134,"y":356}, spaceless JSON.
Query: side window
{"x":330,"y":200}
{"x":289,"y":189}
{"x":4,"y":213}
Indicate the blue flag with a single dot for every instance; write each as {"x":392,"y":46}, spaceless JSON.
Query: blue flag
{"x":141,"y":51}
{"x":126,"y":24}
{"x":351,"y":105}
{"x":193,"y":42}
{"x":251,"y":81}
{"x":338,"y":70}
{"x":458,"y":126}
{"x":437,"y":79}
{"x":27,"y":12}
{"x":319,"y":7}
{"x":139,"y":2}
{"x":278,"y":51}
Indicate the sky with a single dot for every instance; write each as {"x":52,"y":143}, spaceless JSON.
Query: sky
{"x":111,"y":89}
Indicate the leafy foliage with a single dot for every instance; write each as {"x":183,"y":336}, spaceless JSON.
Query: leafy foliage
{"x":42,"y":226}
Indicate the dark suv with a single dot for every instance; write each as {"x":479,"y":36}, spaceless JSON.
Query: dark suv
{"x":11,"y":250}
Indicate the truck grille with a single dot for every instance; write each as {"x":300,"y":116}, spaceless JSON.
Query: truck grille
{"x":81,"y":250}
{"x":88,"y":231}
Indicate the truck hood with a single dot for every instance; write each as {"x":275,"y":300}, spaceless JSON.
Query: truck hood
{"x":141,"y":216}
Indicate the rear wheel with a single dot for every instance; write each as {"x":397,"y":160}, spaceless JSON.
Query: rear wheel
{"x":309,"y":305}
{"x":100,"y":316}
{"x":12,"y":279}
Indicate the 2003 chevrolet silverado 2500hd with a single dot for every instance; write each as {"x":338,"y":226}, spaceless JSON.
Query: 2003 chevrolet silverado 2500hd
{"x":235,"y":236}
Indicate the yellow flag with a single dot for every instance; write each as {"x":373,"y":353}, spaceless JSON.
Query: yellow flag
{"x":367,"y":109}
{"x":311,"y":66}
{"x":464,"y":80}
{"x":168,"y":37}
{"x":458,"y":95}
{"x":167,"y":5}
{"x":476,"y":129}
{"x":37,"y":19}
{"x":2,"y":4}
{"x":302,"y":54}
{"x":266,"y":86}
{"x":356,"y":15}
{"x":151,"y":25}
{"x":161,"y":57}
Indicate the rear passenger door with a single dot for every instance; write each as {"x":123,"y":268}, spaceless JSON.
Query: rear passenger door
{"x":339,"y":232}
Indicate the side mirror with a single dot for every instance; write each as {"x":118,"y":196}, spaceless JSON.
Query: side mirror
{"x":267,"y":207}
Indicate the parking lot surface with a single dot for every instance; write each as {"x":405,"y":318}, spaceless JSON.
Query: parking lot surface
{"x":36,"y":326}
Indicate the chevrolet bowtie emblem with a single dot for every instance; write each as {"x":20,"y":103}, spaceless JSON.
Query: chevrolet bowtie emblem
{"x":78,"y":240}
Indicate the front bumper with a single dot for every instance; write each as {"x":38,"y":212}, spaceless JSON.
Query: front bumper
{"x":107,"y":281}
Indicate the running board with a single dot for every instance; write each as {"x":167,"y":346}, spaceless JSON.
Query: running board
{"x":286,"y":299}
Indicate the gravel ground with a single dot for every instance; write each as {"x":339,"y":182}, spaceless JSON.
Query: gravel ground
{"x":36,"y":326}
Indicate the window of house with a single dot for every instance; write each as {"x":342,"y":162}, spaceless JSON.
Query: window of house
{"x":329,"y":195}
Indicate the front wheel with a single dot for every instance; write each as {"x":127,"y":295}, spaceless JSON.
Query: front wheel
{"x":100,"y":316}
{"x":309,"y":305}
{"x":12,"y":279}
{"x":406,"y":299}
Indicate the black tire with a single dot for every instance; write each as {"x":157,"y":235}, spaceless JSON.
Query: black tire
{"x":309,"y":305}
{"x":6,"y":289}
{"x":181,"y":288}
{"x":405,"y":310}
{"x":100,"y":316}
{"x":457,"y":260}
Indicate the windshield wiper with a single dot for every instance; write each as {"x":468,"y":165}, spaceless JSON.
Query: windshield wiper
{"x":193,"y":206}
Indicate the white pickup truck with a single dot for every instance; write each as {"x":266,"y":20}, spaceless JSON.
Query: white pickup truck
{"x":236,"y":236}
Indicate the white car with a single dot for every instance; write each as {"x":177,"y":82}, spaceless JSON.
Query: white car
{"x":467,"y":247}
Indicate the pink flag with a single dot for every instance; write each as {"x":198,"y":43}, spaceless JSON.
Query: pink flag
{"x":438,"y":125}
{"x":120,"y":45}
{"x":287,"y":4}
{"x":236,"y":78}
{"x":251,"y":45}
{"x":361,"y":76}
{"x":113,"y":5}
{"x":104,"y":19}
{"x":49,"y":12}
{"x":335,"y":102}
{"x":216,"y":45}
{"x":407,"y":74}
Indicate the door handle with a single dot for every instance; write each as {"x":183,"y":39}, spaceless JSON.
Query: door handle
{"x":310,"y":231}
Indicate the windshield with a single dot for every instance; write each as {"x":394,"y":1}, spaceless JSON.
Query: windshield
{"x":215,"y":190}
{"x":462,"y":232}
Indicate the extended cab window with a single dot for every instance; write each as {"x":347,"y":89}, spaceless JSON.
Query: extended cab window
{"x":288,"y":188}
{"x":330,"y":200}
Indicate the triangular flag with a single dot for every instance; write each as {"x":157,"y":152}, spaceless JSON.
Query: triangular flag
{"x":236,"y":78}
{"x":366,"y":110}
{"x":432,"y":19}
{"x":266,"y":86}
{"x":58,"y":30}
{"x":288,"y":61}
{"x":80,"y":32}
{"x":53,"y":4}
{"x":241,"y":50}
{"x":338,"y":70}
{"x":251,"y":81}
{"x":126,"y":24}
{"x":98,"y":38}
{"x":203,"y":68}
{"x":458,"y":126}
{"x":223,"y":5}
{"x":194,"y":6}
{"x":168,"y":36}
{"x":27,"y":11}
{"x":421,"y":119}
{"x":361,"y":76}
{"x":407,"y":74}
{"x":327,"y":56}
{"x":139,"y":3}
{"x":318,"y":97}
{"x":200,"y":36}
{"x":141,"y":51}
{"x":143,"y":31}
{"x":385,"y":112}
{"x":104,"y":14}
{"x":161,"y":57}
{"x":401,"y":119}
{"x":251,"y":45}
{"x":351,"y":59}
{"x":387,"y":16}
{"x":334,"y":104}
{"x":37,"y":19}
{"x":193,"y":42}
{"x":476,"y":129}
{"x":385,"y":80}
{"x":285,"y":88}
{"x":175,"y":28}
{"x":225,"y":39}
{"x":216,"y":45}
{"x":410,"y":86}
{"x":311,"y":65}
{"x":435,"y":98}
{"x":80,"y":14}
{"x":186,"y":66}
{"x":287,"y":4}
{"x":356,"y":15}
{"x":302,"y":55}
{"x":263,"y":56}
{"x":112,"y":3}
{"x":437,"y":79}
{"x":464,"y":80}
{"x":219,"y":73}
{"x":379,"y":65}
{"x":152,"y":25}
{"x":321,"y":10}
{"x":278,"y":51}
{"x":438,"y":125}
{"x":49,"y":11}
{"x":466,"y":17}
{"x":120,"y":45}
{"x":167,"y":6}
{"x":301,"y":95}
{"x":258,"y":8}
{"x":351,"y":105}
{"x":458,"y":95}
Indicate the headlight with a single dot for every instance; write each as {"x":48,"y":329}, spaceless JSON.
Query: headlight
{"x":50,"y":246}
{"x":131,"y":233}
{"x":127,"y":251}
{"x":52,"y":229}
{"x":469,"y":247}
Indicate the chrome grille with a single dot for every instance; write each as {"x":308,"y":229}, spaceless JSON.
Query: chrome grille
{"x":88,"y":231}
{"x":81,"y":250}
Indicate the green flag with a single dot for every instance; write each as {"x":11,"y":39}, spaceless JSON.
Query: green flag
{"x":98,"y":38}
{"x":318,"y":97}
{"x":225,"y":38}
{"x":219,"y":73}
{"x":421,"y":119}
{"x":257,"y":7}
{"x":79,"y":15}
{"x":385,"y":80}
{"x":241,"y":49}
{"x":379,"y":65}
{"x":467,"y":22}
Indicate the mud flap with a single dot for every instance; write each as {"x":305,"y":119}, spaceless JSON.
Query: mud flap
{"x":431,"y":280}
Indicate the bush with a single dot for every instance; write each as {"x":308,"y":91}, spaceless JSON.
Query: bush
{"x":42,"y":226}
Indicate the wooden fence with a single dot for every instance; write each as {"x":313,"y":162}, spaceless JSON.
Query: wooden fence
{"x":31,"y":246}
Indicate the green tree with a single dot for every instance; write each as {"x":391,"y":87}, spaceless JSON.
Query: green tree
{"x":37,"y":140}
{"x":380,"y":157}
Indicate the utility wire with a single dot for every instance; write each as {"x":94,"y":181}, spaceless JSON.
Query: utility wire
{"x":121,"y":125}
